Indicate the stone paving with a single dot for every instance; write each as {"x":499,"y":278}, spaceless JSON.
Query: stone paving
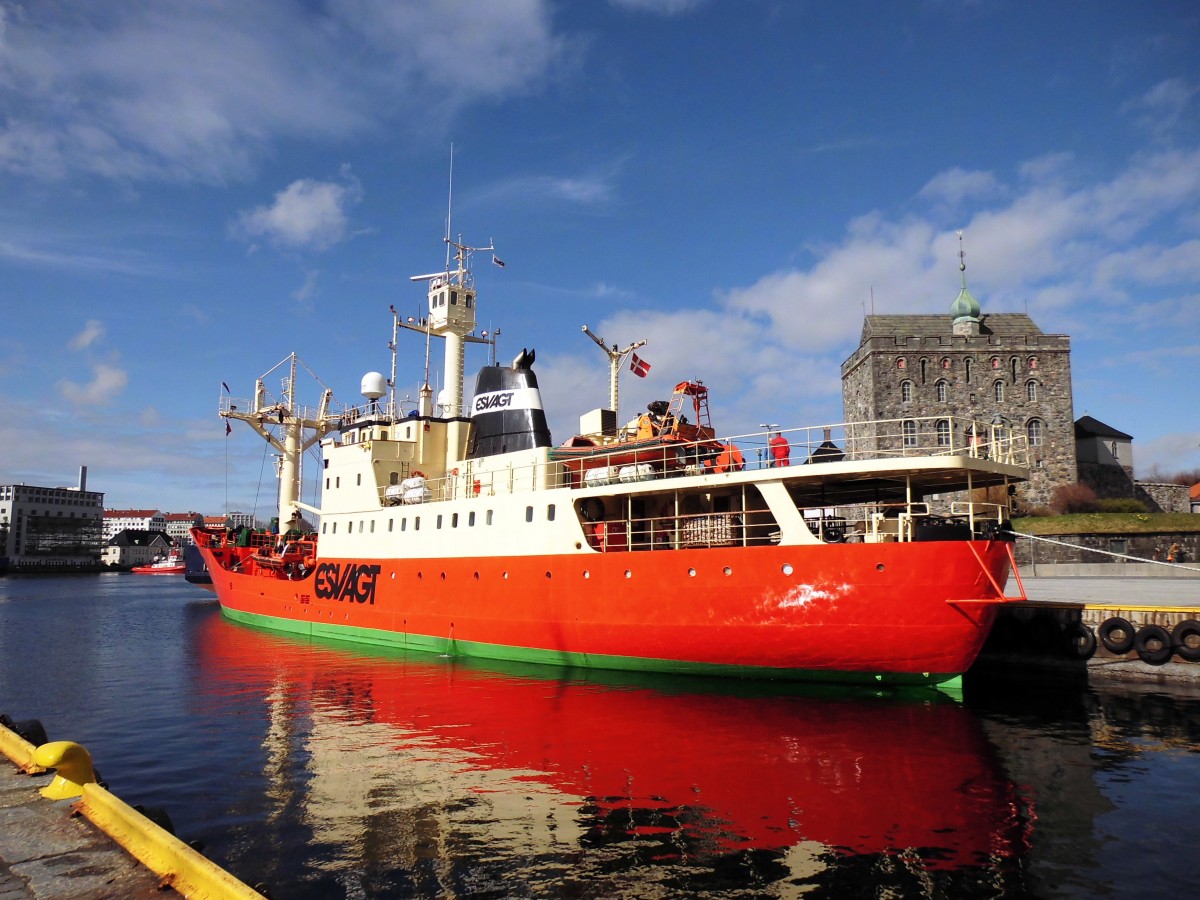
{"x":46,"y":853}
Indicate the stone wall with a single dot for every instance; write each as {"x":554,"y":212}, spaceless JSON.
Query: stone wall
{"x":1084,"y":547}
{"x":1167,"y":497}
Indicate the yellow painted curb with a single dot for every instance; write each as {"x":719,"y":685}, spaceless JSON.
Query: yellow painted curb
{"x":181,"y":868}
{"x":19,"y":750}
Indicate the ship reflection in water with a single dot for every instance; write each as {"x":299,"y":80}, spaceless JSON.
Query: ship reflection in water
{"x":416,"y":775}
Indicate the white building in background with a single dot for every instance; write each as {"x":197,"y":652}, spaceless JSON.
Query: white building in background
{"x":179,"y":527}
{"x":118,"y":520}
{"x":51,"y":527}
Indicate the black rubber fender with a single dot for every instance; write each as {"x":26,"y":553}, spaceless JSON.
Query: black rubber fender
{"x":1152,"y":643}
{"x":1185,"y":638}
{"x":30,"y":730}
{"x":1116,"y":634}
{"x":1080,"y":640}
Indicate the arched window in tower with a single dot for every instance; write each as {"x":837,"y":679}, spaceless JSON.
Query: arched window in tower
{"x":902,"y":363}
{"x":995,"y":362}
{"x":945,"y":362}
{"x":1031,"y":391}
{"x":906,"y":391}
{"x":909,"y":429}
{"x":967,"y":369}
{"x":1036,"y":432}
{"x":943,"y":432}
{"x":1033,"y":362}
{"x":1012,"y":364}
{"x":942,"y":389}
{"x":998,"y":391}
{"x":923,"y":361}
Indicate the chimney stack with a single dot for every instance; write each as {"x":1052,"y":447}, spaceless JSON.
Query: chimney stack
{"x":82,"y":479}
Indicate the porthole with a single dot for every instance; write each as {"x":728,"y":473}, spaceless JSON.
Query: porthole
{"x":787,"y":568}
{"x":548,"y":576}
{"x":476,"y":576}
{"x":443,"y":576}
{"x":586,"y":574}
{"x":628,"y":574}
{"x":879,"y":567}
{"x":728,"y":571}
{"x":505,"y":576}
{"x":691,"y":573}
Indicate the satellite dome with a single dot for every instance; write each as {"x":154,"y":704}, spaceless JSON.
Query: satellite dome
{"x":374,"y":385}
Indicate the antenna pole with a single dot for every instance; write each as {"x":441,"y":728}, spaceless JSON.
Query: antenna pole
{"x":449,"y":206}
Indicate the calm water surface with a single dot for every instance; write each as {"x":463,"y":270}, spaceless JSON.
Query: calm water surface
{"x":327,"y":771}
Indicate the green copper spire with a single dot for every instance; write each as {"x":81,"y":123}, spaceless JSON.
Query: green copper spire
{"x":965,"y":308}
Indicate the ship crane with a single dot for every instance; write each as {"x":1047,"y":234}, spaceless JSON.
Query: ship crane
{"x":616,"y":357}
{"x":300,"y":428}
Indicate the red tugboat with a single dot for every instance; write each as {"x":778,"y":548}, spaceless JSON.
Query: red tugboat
{"x":171,"y":564}
{"x":464,"y":531}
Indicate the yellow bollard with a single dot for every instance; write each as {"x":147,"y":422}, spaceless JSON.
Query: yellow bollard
{"x":74,"y":769}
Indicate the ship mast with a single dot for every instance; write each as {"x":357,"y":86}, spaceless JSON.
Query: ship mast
{"x":616,"y":357}
{"x":293,"y":421}
{"x":451,"y":315}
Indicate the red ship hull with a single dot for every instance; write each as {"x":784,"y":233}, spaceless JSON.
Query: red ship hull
{"x":871,"y":613}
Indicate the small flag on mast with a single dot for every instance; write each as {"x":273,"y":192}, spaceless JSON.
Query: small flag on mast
{"x":224,"y":385}
{"x":497,"y":261}
{"x":228,"y":428}
{"x":639,"y":366}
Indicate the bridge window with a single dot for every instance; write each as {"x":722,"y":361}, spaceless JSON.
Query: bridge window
{"x":909,"y":430}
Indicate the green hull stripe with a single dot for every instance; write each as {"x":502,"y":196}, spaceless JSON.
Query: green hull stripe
{"x":391,"y":640}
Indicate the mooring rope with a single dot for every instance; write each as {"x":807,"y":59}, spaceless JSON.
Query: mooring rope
{"x":1141,"y":559}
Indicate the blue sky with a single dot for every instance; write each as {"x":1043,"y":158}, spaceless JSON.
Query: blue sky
{"x":192,"y":190}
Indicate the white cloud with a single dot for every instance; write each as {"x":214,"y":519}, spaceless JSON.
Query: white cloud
{"x":91,"y":333}
{"x":108,"y":383}
{"x":306,"y":215}
{"x":661,"y":7}
{"x":583,"y":190}
{"x":958,"y":185}
{"x":200,"y":89}
{"x":1072,"y":253}
{"x":1161,"y":109}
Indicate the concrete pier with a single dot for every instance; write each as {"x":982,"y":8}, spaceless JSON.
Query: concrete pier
{"x":47,"y":853}
{"x":1046,"y":636}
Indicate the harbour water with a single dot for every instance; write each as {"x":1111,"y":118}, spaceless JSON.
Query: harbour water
{"x":326,"y":771}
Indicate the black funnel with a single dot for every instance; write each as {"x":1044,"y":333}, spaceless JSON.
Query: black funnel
{"x":506,"y":411}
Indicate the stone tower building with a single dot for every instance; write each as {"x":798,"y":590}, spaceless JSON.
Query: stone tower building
{"x":926,"y":371}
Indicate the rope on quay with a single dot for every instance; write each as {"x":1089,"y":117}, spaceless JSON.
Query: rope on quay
{"x":1140,"y":559}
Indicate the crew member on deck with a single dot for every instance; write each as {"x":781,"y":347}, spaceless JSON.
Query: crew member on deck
{"x":781,"y":451}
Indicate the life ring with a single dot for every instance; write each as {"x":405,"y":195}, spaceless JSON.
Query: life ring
{"x":1153,"y":644}
{"x":1185,"y":638}
{"x":1116,"y":634}
{"x":1080,"y":641}
{"x":417,"y":473}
